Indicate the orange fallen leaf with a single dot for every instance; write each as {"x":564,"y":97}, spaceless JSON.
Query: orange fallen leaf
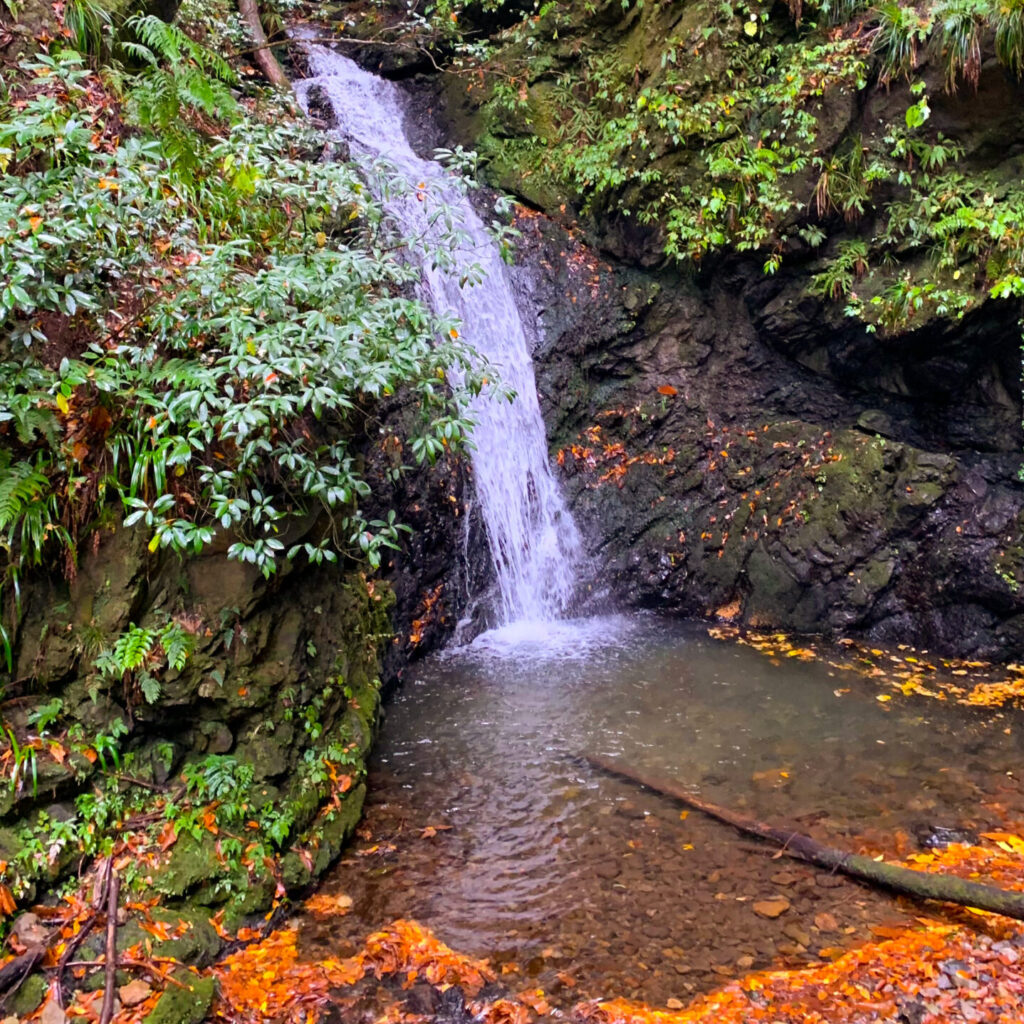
{"x":431,"y":830}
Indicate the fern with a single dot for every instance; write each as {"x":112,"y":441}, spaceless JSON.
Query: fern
{"x":165,"y":41}
{"x":181,"y":75}
{"x":21,"y":484}
{"x":150,"y":687}
{"x":132,"y":647}
{"x":178,"y":644}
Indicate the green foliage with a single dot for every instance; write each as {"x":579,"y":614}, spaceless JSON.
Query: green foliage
{"x":222,"y":313}
{"x":850,"y":263}
{"x":1008,"y":20}
{"x":139,"y":656}
{"x":958,"y":38}
{"x":901,"y":31}
{"x":217,"y":777}
{"x":23,"y":764}
{"x":90,"y":25}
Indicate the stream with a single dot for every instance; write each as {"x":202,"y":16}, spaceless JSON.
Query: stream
{"x":484,"y":825}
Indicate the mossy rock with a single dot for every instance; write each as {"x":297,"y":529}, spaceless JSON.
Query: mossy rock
{"x":29,"y":997}
{"x":191,"y":863}
{"x":184,"y":1005}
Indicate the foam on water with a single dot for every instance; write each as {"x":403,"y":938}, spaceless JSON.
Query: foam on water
{"x":560,"y":640}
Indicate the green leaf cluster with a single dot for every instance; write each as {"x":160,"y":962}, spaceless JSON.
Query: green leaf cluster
{"x":199,"y":318}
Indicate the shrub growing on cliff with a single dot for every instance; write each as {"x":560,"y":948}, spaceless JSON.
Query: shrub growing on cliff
{"x":197,"y":316}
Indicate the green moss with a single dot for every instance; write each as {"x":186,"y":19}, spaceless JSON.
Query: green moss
{"x":29,"y":997}
{"x":185,"y":1003}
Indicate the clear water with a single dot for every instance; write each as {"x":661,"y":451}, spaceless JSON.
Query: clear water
{"x":556,"y":869}
{"x":535,"y":546}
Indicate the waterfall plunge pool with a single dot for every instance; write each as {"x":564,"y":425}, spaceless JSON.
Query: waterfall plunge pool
{"x":483,"y":824}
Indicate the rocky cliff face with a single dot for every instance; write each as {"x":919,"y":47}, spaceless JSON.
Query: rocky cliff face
{"x":276,"y":708}
{"x":732,"y":443}
{"x":717,"y":475}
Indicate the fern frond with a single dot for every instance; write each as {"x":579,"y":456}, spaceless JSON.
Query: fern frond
{"x":21,"y":484}
{"x":132,"y":647}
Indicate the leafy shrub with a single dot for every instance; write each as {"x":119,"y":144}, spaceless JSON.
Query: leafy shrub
{"x":198,"y":317}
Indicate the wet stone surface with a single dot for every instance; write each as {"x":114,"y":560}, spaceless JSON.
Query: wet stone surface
{"x":484,"y":825}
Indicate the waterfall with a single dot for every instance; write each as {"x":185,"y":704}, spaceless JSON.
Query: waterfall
{"x":535,"y":546}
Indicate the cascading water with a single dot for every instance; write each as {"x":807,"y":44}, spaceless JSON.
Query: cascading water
{"x":535,"y":546}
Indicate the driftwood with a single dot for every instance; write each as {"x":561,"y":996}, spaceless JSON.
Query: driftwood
{"x":922,"y":884}
{"x":263,"y":55}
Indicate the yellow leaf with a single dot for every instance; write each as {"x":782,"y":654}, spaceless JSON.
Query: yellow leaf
{"x":154,"y":543}
{"x":1006,"y":841}
{"x":683,"y":815}
{"x":62,"y":404}
{"x":321,"y":239}
{"x":750,"y":27}
{"x":884,"y":697}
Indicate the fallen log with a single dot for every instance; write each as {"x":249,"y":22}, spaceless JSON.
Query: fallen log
{"x":263,"y":55}
{"x":922,"y":884}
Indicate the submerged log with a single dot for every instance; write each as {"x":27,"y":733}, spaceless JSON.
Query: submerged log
{"x":922,"y":884}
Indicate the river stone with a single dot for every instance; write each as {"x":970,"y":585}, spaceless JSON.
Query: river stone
{"x":52,"y":1014}
{"x":772,"y":908}
{"x":828,"y":881}
{"x":796,"y":933}
{"x":135,"y":992}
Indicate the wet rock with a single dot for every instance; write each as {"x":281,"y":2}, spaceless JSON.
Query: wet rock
{"x":29,"y":930}
{"x":771,"y":908}
{"x":938,"y":836}
{"x":608,"y":869}
{"x":876,"y":421}
{"x":52,"y":1014}
{"x":423,"y":999}
{"x":828,"y":881}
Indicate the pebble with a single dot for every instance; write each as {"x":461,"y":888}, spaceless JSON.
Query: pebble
{"x":52,"y":1014}
{"x":796,"y":933}
{"x":772,"y":908}
{"x":829,"y":881}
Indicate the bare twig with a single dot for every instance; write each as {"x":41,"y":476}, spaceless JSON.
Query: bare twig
{"x":147,"y":966}
{"x":110,"y":979}
{"x":83,"y":932}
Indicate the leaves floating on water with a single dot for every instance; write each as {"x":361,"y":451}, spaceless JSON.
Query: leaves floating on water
{"x":904,"y":670}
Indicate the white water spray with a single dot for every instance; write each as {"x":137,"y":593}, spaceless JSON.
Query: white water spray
{"x":535,"y":546}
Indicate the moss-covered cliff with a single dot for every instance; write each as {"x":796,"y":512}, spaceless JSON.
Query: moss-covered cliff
{"x":780,"y":353}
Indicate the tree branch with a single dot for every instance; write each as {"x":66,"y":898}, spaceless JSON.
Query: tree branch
{"x":262,"y":54}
